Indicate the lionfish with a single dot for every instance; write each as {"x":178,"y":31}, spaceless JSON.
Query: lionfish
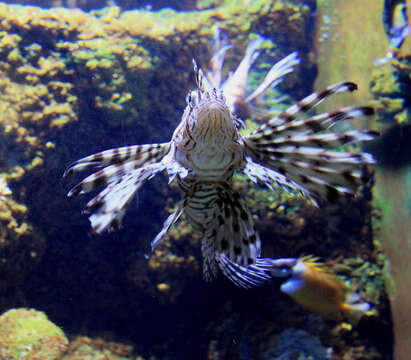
{"x":205,"y":151}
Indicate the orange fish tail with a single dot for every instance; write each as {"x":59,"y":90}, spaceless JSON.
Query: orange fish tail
{"x":354,"y":313}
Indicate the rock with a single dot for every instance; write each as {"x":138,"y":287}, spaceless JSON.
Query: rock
{"x":29,"y":335}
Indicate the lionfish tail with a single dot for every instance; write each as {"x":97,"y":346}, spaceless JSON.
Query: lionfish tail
{"x":230,"y":242}
{"x":301,"y":154}
{"x":124,"y":171}
{"x":244,"y":276}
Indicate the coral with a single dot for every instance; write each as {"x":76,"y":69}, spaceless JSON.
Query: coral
{"x":391,"y":86}
{"x":154,"y":278}
{"x":84,"y":348}
{"x":365,"y":278}
{"x":21,"y":248}
{"x":298,"y":344}
{"x":88,"y":5}
{"x":59,"y":65}
{"x":29,"y":335}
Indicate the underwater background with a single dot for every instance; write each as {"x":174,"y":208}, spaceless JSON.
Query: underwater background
{"x":77,"y":77}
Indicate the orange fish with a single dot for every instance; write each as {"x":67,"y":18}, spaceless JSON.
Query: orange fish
{"x":313,"y":286}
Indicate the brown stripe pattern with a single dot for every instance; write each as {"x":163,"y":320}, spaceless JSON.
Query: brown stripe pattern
{"x":302,"y":151}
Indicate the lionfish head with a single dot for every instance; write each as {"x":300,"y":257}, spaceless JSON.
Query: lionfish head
{"x":208,"y":117}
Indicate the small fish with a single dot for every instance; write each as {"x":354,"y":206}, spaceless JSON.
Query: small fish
{"x":4,"y":188}
{"x":312,"y":285}
{"x":396,"y":27}
{"x":207,"y":148}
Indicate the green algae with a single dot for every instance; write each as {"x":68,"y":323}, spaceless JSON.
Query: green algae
{"x":389,"y":87}
{"x":28,"y":334}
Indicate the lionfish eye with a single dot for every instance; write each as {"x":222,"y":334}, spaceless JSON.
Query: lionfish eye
{"x":283,"y":267}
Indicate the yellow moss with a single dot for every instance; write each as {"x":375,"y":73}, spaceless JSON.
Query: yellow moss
{"x":22,"y":229}
{"x":50,"y":145}
{"x":49,"y":66}
{"x":403,"y":117}
{"x":153,"y":264}
{"x":14,"y":55}
{"x":163,"y":287}
{"x":9,"y":41}
{"x":5,"y":215}
{"x":17,"y":172}
{"x":60,"y":121}
{"x":33,"y":79}
{"x":57,"y":108}
{"x":12,"y":223}
{"x":37,"y":161}
{"x":389,"y":105}
{"x":31,"y":140}
{"x":92,"y":64}
{"x":16,"y":207}
{"x":105,"y":63}
{"x":28,"y":334}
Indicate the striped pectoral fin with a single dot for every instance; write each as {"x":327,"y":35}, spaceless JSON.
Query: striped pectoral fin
{"x":287,"y":123}
{"x":319,"y":174}
{"x":311,"y":101}
{"x":139,"y":154}
{"x":302,"y":152}
{"x":109,"y":206}
{"x":103,"y":177}
{"x":277,"y":129}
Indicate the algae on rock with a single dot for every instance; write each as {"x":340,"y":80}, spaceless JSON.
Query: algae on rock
{"x":29,"y":335}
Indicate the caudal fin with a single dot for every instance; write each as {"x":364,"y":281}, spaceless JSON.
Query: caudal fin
{"x":356,"y":312}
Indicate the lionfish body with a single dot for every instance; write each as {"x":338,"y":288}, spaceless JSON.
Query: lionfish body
{"x":207,"y":148}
